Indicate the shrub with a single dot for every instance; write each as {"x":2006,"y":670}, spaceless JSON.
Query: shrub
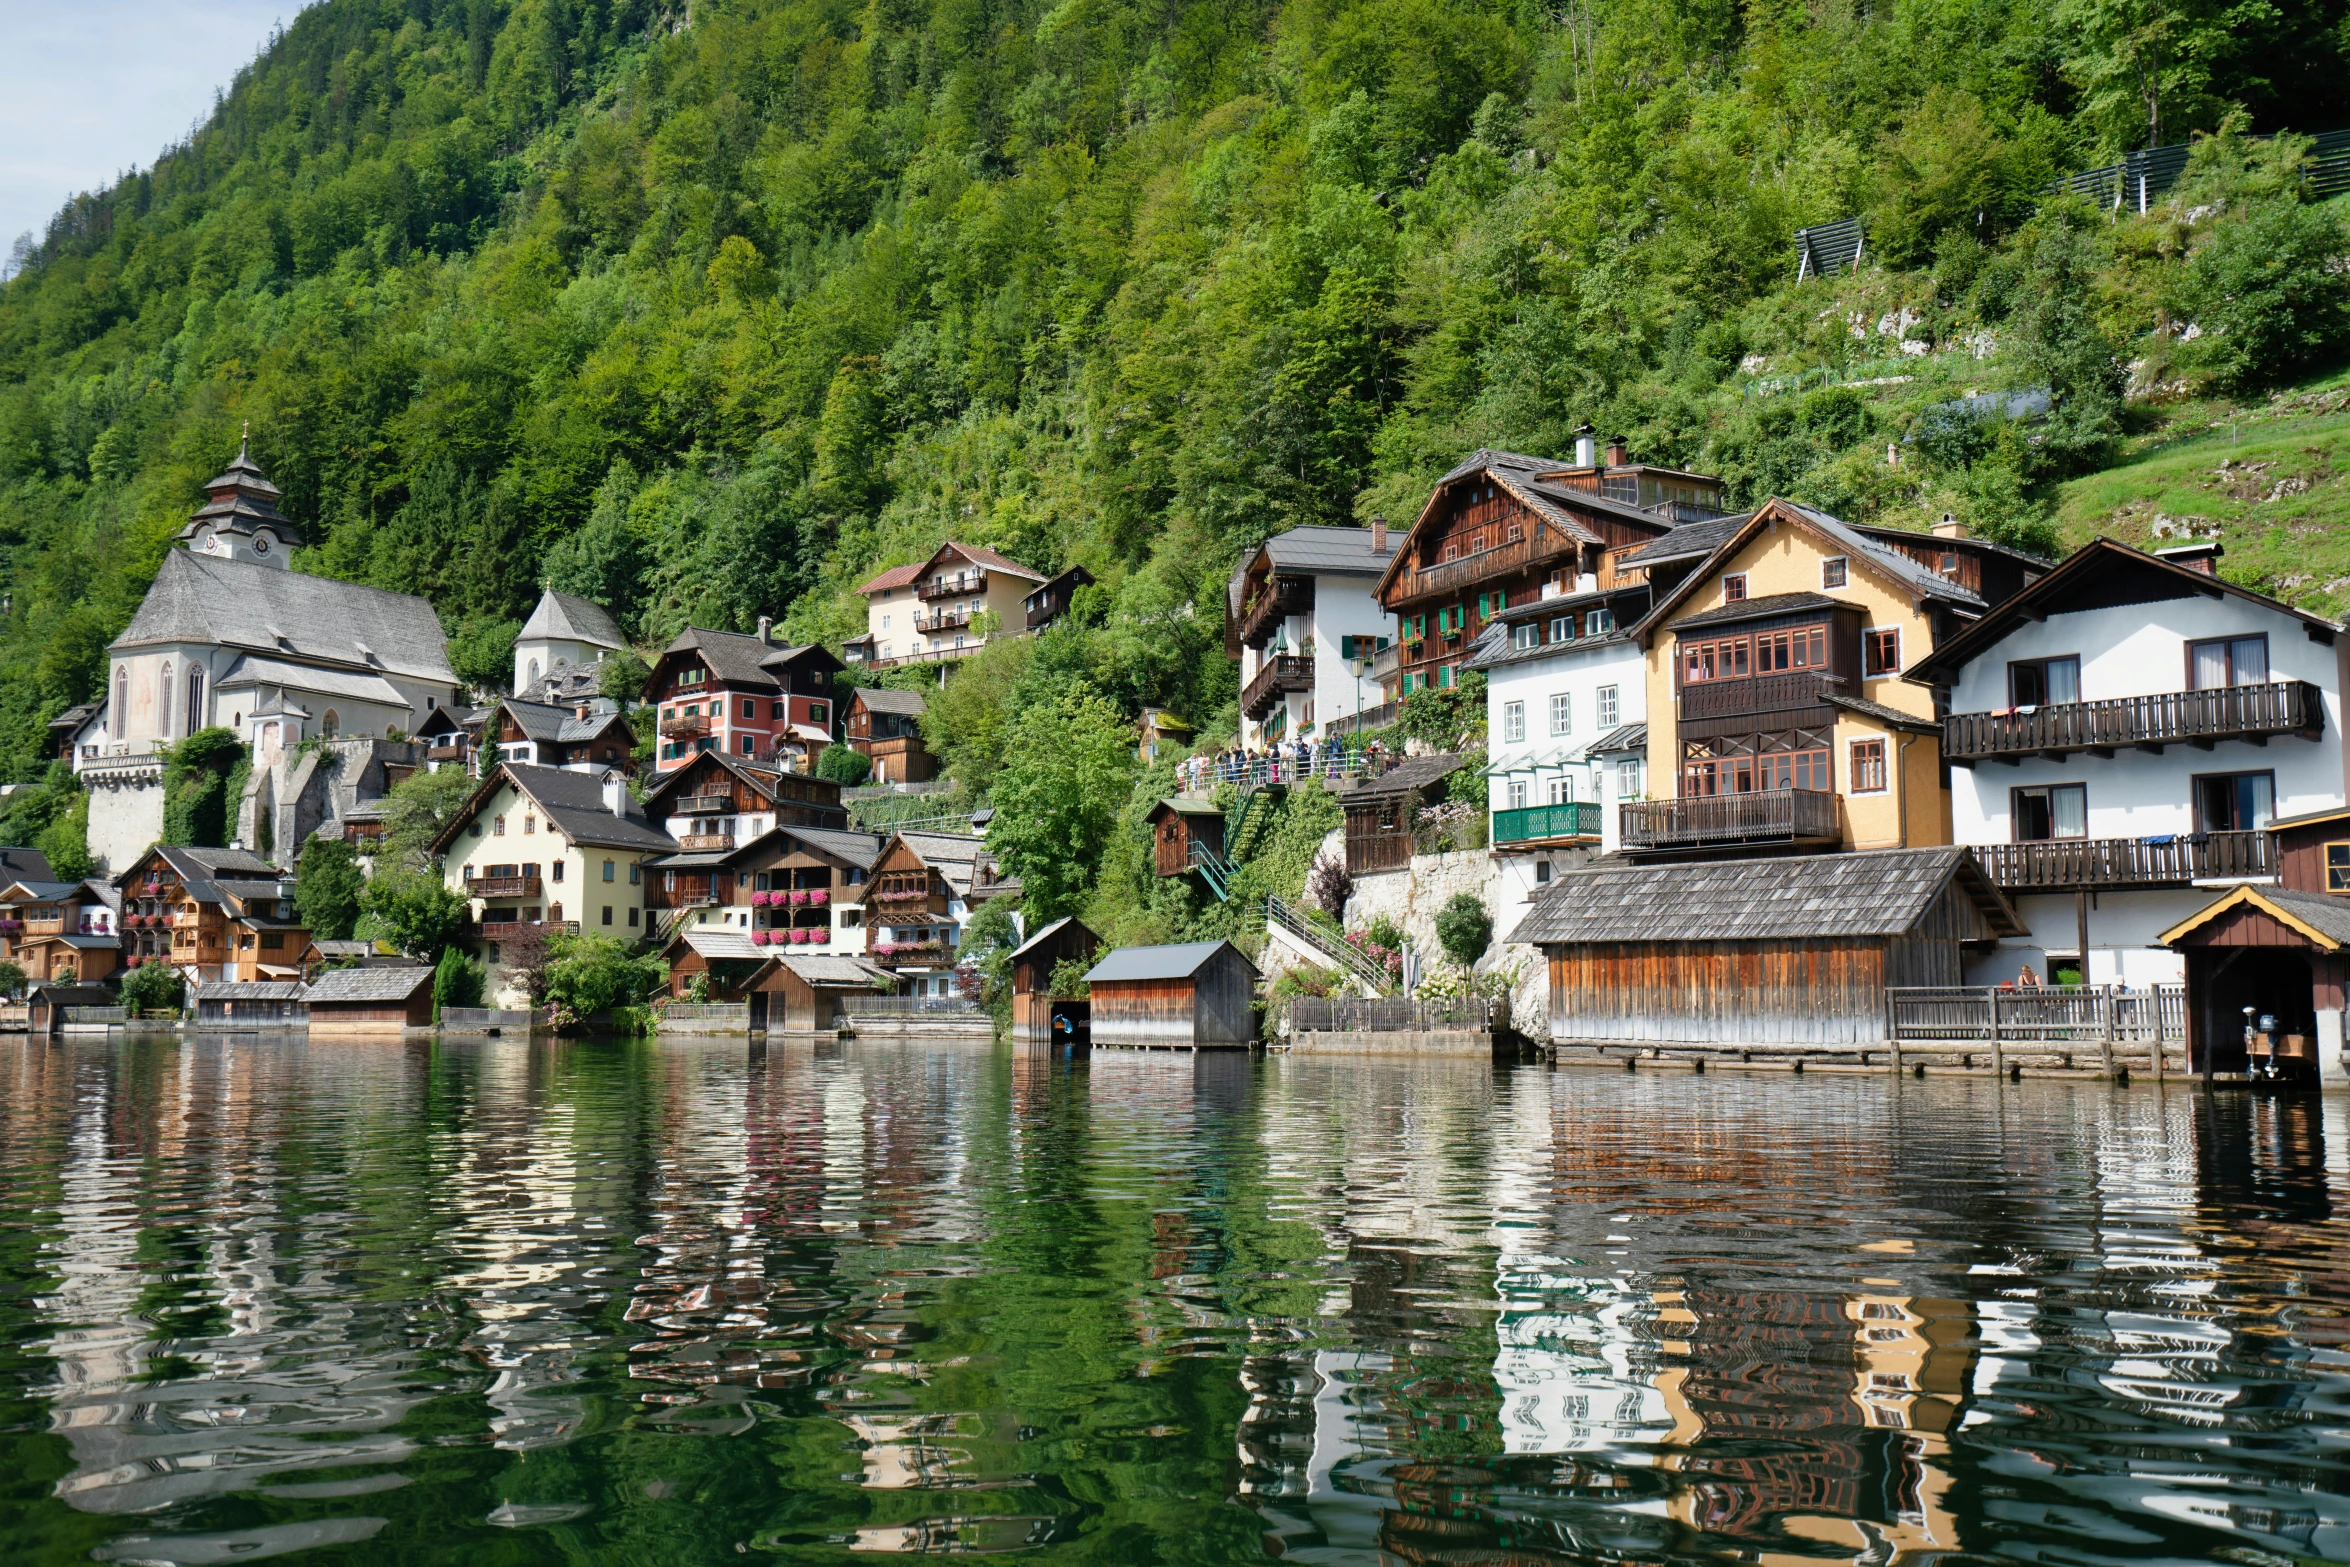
{"x":457,"y":981}
{"x":327,"y":885}
{"x":2267,"y":295}
{"x":843,"y":765}
{"x":1465,"y":928}
{"x":12,"y":980}
{"x":1329,"y":884}
{"x":1307,"y":980}
{"x":152,"y":987}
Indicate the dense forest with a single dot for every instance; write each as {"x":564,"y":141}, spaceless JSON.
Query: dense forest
{"x":708,"y":312}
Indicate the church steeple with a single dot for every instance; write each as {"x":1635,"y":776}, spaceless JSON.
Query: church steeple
{"x":241,"y":520}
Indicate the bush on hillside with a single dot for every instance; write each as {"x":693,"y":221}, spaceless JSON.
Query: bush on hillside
{"x":1464,"y":927}
{"x":2271,"y":295}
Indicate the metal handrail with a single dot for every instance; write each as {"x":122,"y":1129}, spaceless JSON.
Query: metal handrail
{"x":1357,"y":964}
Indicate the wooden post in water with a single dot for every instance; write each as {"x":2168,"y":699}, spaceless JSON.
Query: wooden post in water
{"x":2105,"y":1011}
{"x":1998,"y":1052}
{"x":1892,"y":1031}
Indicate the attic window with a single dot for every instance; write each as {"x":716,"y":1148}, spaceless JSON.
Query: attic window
{"x":1734,"y":588}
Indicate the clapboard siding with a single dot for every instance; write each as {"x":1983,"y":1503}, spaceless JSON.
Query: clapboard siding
{"x":1212,"y":1008}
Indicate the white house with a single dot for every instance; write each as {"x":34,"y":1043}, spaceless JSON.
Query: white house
{"x":565,"y":634}
{"x":2120,"y":734}
{"x":1300,"y":618}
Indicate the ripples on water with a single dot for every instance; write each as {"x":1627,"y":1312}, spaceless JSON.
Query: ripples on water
{"x":624,"y":1302}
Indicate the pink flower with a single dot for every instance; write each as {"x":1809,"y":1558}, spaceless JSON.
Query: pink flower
{"x":819,"y":897}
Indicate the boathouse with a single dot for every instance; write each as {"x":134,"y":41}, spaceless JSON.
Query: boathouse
{"x":1177,"y":824}
{"x":250,"y":1004}
{"x":1198,"y":995}
{"x":1794,"y":950}
{"x":1033,"y":962}
{"x":46,"y":1004}
{"x":372,"y":1000}
{"x":802,"y":993}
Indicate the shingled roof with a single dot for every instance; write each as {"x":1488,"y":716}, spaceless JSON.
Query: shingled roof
{"x":1881,"y":893}
{"x":570,"y":618}
{"x":359,"y":986}
{"x":287,"y":615}
{"x":558,"y":725}
{"x":886,"y":699}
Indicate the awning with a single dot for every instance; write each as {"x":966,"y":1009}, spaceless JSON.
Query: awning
{"x":279,"y":969}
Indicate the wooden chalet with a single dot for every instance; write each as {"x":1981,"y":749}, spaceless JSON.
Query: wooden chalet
{"x":715,"y":801}
{"x":2282,"y":950}
{"x":1198,"y":995}
{"x":449,"y":739}
{"x":1033,"y":962}
{"x":370,"y":1000}
{"x":1051,"y":601}
{"x":60,"y":930}
{"x":801,"y":993}
{"x":1179,"y":826}
{"x":924,"y":886}
{"x":218,"y":915}
{"x":575,"y":736}
{"x":1504,"y":528}
{"x":885,"y":727}
{"x":1797,"y":950}
{"x":790,"y":887}
{"x":726,"y":955}
{"x":1380,"y":812}
{"x":46,"y":1003}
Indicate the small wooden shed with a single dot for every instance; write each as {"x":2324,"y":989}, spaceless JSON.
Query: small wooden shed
{"x":251,"y":1003}
{"x":1179,"y":822}
{"x":46,"y":1004}
{"x":1033,"y":962}
{"x":803,"y":993}
{"x":1381,"y":811}
{"x":724,"y":952}
{"x":368,"y":1000}
{"x":1198,"y":995}
{"x":1797,"y":950}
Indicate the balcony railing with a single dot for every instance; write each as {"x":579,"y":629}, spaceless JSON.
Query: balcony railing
{"x":912,"y":954}
{"x":452,"y":751}
{"x":516,"y":930}
{"x":503,"y":887}
{"x":699,"y":842}
{"x":942,"y":620}
{"x":1454,"y":575}
{"x":2284,"y":707}
{"x":1571,"y":819}
{"x":2070,"y":864}
{"x":1777,"y":693}
{"x":948,"y":587}
{"x":702,"y":805}
{"x":1702,"y":821}
{"x":1284,"y":673}
{"x":684,"y":728}
{"x":1284,"y":597}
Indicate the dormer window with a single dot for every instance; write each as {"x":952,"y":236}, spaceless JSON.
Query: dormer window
{"x":1734,"y":588}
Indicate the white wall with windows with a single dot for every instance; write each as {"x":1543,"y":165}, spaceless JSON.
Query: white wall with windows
{"x":1345,"y":627}
{"x":1545,"y":711}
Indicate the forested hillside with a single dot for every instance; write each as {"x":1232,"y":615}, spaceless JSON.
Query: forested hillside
{"x":708,"y":311}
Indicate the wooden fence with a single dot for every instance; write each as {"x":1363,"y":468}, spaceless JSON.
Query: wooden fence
{"x":94,"y":1017}
{"x":2079,"y":1016}
{"x":1395,"y":1014}
{"x":909,"y":1006}
{"x":485,"y":1020}
{"x":731,"y":1014}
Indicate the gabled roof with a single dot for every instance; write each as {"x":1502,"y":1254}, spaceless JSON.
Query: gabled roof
{"x":288,"y":615}
{"x":1343,"y":552}
{"x":2322,"y":921}
{"x":895,"y":577}
{"x":572,"y":802}
{"x":1514,"y":472}
{"x":1493,"y":648}
{"x":767,"y":780}
{"x":1619,"y":741}
{"x":733,"y":657}
{"x":1691,"y":539}
{"x":1175,"y":962}
{"x":1067,"y":922}
{"x":43,"y":890}
{"x":980,"y":555}
{"x":1185,"y":805}
{"x":955,"y":856}
{"x":254,"y":990}
{"x":1881,"y":893}
{"x":31,"y":863}
{"x":1891,"y":717}
{"x":567,"y":617}
{"x":827,"y":970}
{"x":559,"y":725}
{"x":2088,"y":572}
{"x":356,"y":986}
{"x":196,"y":869}
{"x":887,"y":699}
{"x":1406,"y":777}
{"x":716,"y":941}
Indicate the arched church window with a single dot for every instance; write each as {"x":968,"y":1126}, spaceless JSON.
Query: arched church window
{"x":119,"y":719}
{"x":332,"y":725}
{"x":163,"y":706}
{"x":195,"y":698}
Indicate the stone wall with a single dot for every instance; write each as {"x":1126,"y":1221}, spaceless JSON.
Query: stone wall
{"x":126,"y":810}
{"x":1504,"y":881}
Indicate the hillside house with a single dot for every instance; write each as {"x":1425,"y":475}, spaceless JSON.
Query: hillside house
{"x":61,"y":930}
{"x":1198,"y":995}
{"x":228,"y":636}
{"x":2121,"y":736}
{"x":1382,"y":814}
{"x":540,"y":849}
{"x":1051,"y":601}
{"x":716,"y":801}
{"x":559,"y":647}
{"x":885,"y":727}
{"x":579,"y":737}
{"x":1778,"y":719}
{"x":750,"y":697}
{"x":789,"y":887}
{"x":923,"y":888}
{"x":1300,"y":618}
{"x":1182,"y":828}
{"x":1504,"y":529}
{"x":930,"y":610}
{"x":213,"y":914}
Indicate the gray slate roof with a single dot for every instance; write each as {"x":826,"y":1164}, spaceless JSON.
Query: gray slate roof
{"x":832,"y":969}
{"x":1408,"y":777}
{"x":203,"y":598}
{"x":1330,"y":551}
{"x":352,"y":685}
{"x":1493,"y":649}
{"x":1180,"y":961}
{"x":360,"y":986}
{"x":251,"y":990}
{"x":558,"y":725}
{"x":860,"y":849}
{"x":953,"y":855}
{"x":28,"y":864}
{"x":1892,"y":716}
{"x":568,"y":617}
{"x":575,"y":802}
{"x":885,"y":699}
{"x":1882,"y":893}
{"x":2329,"y":914}
{"x":732,"y":656}
{"x":1617,"y":741}
{"x":1758,"y":608}
{"x":1922,"y":579}
{"x":1691,"y":538}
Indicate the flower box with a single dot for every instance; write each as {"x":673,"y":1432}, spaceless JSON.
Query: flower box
{"x":819,"y":897}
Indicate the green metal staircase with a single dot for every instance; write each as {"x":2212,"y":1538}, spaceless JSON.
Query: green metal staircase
{"x":1218,"y":871}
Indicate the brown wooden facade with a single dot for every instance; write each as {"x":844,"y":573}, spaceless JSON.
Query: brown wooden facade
{"x":219,"y":934}
{"x":1063,"y":941}
{"x":906,"y":890}
{"x":59,"y":931}
{"x":2283,"y":951}
{"x":786,"y":999}
{"x":1208,"y":1005}
{"x":711,"y":790}
{"x":890,"y":740}
{"x":1177,"y":825}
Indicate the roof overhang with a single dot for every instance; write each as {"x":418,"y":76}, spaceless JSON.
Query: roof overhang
{"x":2253,"y":898}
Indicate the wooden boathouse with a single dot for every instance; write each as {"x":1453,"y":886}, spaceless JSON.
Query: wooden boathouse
{"x":1179,"y":822}
{"x":251,"y":1004}
{"x":1033,"y":962}
{"x":374,"y":1000}
{"x":1787,"y":951}
{"x":807,"y":993}
{"x":1198,"y":995}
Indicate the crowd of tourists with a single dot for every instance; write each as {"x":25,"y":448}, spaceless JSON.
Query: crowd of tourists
{"x":1281,"y":762}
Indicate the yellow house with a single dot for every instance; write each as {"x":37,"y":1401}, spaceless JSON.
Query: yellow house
{"x":942,"y":608}
{"x":1777,"y":715}
{"x":540,"y":849}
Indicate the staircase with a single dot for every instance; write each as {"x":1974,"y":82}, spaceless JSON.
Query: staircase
{"x":1281,"y":919}
{"x":1213,"y":869}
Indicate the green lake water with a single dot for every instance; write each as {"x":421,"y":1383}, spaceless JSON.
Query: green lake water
{"x":692,"y":1302}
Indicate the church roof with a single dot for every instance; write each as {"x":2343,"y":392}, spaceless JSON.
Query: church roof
{"x":567,"y":617}
{"x":241,"y":500}
{"x":287,"y":615}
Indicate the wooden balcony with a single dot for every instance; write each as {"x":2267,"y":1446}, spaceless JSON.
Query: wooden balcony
{"x":2145,"y":723}
{"x":1456,"y":576}
{"x":701,"y":842}
{"x":912,"y":954}
{"x":950,"y":586}
{"x":451,"y":751}
{"x":503,"y":887}
{"x":1784,"y":692}
{"x":941,"y":620}
{"x":1576,"y":820}
{"x":1286,"y":596}
{"x":684,"y":728}
{"x":1285,"y":673}
{"x":702,"y":805}
{"x":1766,"y":816}
{"x":2088,"y":864}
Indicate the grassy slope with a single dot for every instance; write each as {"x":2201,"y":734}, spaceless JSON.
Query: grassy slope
{"x":2273,"y":479}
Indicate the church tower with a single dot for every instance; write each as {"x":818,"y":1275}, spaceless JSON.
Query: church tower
{"x":241,"y":520}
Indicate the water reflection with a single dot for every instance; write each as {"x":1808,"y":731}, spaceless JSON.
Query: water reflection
{"x":687,"y":1301}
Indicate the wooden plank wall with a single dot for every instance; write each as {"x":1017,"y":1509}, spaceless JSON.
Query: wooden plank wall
{"x":1223,"y":994}
{"x":1820,"y":991}
{"x":1142,"y":1012}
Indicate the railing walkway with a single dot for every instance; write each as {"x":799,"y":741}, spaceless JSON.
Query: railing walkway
{"x":1350,"y":960}
{"x":2281,"y":707}
{"x":910,"y":1006}
{"x":2111,"y":1021}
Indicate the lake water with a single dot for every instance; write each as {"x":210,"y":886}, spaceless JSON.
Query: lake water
{"x":622,"y":1302}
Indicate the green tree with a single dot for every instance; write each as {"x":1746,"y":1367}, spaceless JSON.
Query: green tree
{"x":481,"y":651}
{"x":327,"y":884}
{"x":417,"y":810}
{"x":843,"y":764}
{"x":2270,"y":294}
{"x":588,"y":973}
{"x":1066,"y":773}
{"x":1464,"y":927}
{"x":2057,"y":340}
{"x":457,"y":981}
{"x":967,"y":726}
{"x":151,"y":988}
{"x":414,"y":910}
{"x":12,"y":979}
{"x":197,"y":810}
{"x":621,"y":678}
{"x":65,"y":842}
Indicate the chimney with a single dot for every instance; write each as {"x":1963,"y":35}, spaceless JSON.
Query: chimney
{"x":2202,"y":555}
{"x":1586,"y":448}
{"x":1619,"y":452}
{"x":1949,"y":527}
{"x":616,"y":794}
{"x":1378,"y":535}
{"x":766,"y":628}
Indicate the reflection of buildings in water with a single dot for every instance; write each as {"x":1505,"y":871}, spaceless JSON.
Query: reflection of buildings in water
{"x":1313,"y":1446}
{"x":1581,"y":1379}
{"x":169,"y":1186}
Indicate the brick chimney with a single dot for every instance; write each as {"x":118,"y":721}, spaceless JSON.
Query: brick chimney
{"x":1619,"y":452}
{"x":1949,"y":527}
{"x":2202,"y":555}
{"x":580,"y":712}
{"x":766,"y":628}
{"x":1378,"y":535}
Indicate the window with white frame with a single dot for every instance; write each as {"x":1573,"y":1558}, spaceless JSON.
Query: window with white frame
{"x":1525,"y":636}
{"x":1562,"y":713}
{"x":1562,"y":790}
{"x":1513,"y":722}
{"x":1563,"y":629}
{"x":1609,"y":705}
{"x":1599,"y":622}
{"x":1631,"y":778}
{"x":1517,"y":794}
